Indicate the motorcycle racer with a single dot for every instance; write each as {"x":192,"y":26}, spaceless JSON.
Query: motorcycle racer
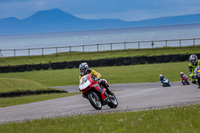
{"x":184,"y":79}
{"x":161,"y":78}
{"x":84,"y":69}
{"x":193,"y":63}
{"x":181,"y":76}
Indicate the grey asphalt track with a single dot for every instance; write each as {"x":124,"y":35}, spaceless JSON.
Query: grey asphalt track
{"x":131,"y":97}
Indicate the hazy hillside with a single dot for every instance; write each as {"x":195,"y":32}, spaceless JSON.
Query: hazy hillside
{"x":56,"y":20}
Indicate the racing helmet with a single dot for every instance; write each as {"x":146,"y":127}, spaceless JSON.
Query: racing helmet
{"x":160,"y":75}
{"x":181,"y":73}
{"x":193,"y":59}
{"x":83,"y":67}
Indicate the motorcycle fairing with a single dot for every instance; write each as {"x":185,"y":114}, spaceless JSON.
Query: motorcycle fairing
{"x":103,"y":94}
{"x":165,"y":80}
{"x":100,"y":90}
{"x":84,"y":85}
{"x":84,"y":82}
{"x":185,"y":77}
{"x":87,"y":83}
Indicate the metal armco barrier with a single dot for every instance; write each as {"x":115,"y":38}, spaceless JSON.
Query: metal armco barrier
{"x":100,"y":47}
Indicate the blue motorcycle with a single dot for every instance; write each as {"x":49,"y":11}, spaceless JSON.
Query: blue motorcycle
{"x":166,"y":83}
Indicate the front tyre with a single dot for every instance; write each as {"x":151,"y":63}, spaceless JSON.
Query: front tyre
{"x":113,"y":102}
{"x":95,"y":100}
{"x":164,"y":85}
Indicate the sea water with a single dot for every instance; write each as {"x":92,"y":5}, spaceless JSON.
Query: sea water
{"x":18,"y":45}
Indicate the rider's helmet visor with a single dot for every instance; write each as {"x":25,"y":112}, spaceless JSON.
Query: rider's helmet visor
{"x":82,"y":70}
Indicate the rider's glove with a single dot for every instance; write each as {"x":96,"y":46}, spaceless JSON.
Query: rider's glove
{"x":96,"y":79}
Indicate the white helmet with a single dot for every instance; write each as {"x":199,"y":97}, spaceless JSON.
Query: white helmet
{"x":193,"y":59}
{"x":181,"y":73}
{"x":83,"y":67}
{"x":160,"y":75}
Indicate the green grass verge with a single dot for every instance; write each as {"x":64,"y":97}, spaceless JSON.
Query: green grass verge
{"x":10,"y":101}
{"x":13,"y":84}
{"x":115,"y":74}
{"x":171,"y":120}
{"x":9,"y":85}
{"x":71,"y":56}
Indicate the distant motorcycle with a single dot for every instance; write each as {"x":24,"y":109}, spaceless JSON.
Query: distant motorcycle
{"x":197,"y":75}
{"x":95,"y":93}
{"x":185,"y":80}
{"x":166,"y":82}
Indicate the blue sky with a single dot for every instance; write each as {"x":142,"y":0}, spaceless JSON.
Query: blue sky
{"x":128,"y":10}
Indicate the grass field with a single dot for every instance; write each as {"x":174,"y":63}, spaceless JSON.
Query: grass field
{"x":13,"y":84}
{"x":115,"y":74}
{"x":171,"y":120}
{"x":22,"y":85}
{"x":72,"y":56}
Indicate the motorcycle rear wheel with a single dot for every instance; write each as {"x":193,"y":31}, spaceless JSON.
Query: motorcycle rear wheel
{"x":113,"y":102}
{"x":95,"y":100}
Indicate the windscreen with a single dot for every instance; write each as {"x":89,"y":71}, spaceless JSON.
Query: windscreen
{"x":83,"y":79}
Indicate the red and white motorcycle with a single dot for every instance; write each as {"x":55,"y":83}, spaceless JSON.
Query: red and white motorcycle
{"x":185,"y":80}
{"x":95,"y":93}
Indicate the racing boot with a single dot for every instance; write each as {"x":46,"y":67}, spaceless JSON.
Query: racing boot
{"x":104,"y":83}
{"x":109,"y":92}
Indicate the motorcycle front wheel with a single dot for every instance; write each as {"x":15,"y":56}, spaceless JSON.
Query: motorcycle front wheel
{"x":95,"y":100}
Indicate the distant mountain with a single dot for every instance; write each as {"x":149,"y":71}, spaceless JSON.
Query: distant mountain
{"x":56,"y":20}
